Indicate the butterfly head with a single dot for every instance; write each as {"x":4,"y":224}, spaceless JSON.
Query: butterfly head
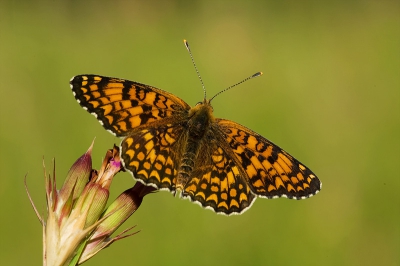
{"x":202,"y":112}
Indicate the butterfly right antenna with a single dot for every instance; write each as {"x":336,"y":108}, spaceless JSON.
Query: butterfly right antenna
{"x":230,"y":87}
{"x":195,"y":67}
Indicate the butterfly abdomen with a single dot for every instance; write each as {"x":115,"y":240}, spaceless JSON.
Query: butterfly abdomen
{"x":187,"y":163}
{"x":200,"y":118}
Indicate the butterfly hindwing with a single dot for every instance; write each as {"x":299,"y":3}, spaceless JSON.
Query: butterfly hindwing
{"x":270,"y":171}
{"x":122,"y":105}
{"x":152,"y":154}
{"x":217,"y":181}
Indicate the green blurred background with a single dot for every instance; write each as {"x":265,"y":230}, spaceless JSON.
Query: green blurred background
{"x":329,"y":96}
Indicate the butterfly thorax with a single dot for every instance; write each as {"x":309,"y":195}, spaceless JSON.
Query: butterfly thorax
{"x":200,"y":119}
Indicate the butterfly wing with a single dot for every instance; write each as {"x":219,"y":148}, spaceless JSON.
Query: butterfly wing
{"x":121,"y":105}
{"x":152,"y":154}
{"x":217,"y":181}
{"x":270,"y":171}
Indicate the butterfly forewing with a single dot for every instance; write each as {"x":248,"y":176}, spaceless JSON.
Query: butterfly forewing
{"x":270,"y":171}
{"x":121,"y":105}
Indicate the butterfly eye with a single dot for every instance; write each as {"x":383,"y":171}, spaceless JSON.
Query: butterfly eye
{"x":198,"y":103}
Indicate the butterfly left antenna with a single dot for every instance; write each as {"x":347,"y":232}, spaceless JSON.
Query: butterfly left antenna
{"x":195,"y":67}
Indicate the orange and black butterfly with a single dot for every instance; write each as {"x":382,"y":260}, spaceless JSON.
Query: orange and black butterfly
{"x":171,"y":146}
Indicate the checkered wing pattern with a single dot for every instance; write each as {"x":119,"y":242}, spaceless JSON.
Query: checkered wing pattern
{"x":152,"y":154}
{"x":270,"y":171}
{"x":122,"y":105}
{"x":218,"y":181}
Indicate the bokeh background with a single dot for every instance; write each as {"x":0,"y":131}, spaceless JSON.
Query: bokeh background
{"x":330,"y":95}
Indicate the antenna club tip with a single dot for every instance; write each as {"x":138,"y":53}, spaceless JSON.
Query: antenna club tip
{"x":261,"y":73}
{"x":186,"y":45}
{"x":257,"y":75}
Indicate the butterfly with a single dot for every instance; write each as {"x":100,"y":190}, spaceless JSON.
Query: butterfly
{"x":217,"y":163}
